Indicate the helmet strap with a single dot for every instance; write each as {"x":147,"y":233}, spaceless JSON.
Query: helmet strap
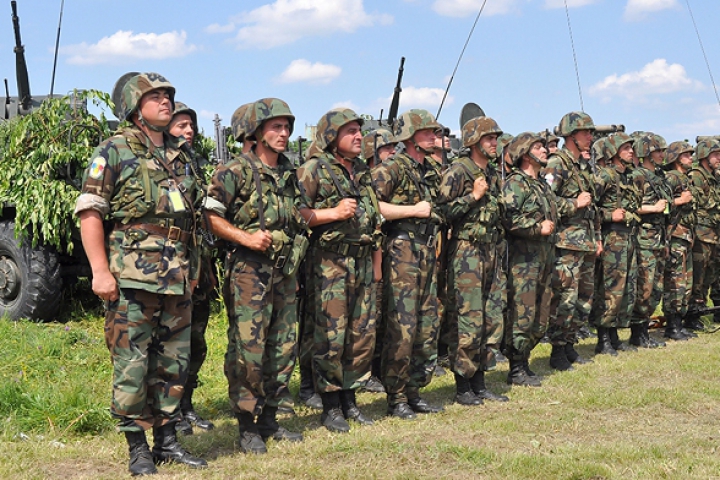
{"x":149,"y":126}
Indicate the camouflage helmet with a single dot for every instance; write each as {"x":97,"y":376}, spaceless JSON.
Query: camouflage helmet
{"x":645,"y":144}
{"x":330,"y":124}
{"x":504,"y":139}
{"x":263,"y":110}
{"x":476,"y":128}
{"x":182,"y":108}
{"x":413,"y":121}
{"x":238,"y":124}
{"x":661,"y":140}
{"x":548,"y":137}
{"x":521,"y":145}
{"x":705,"y":147}
{"x":573,"y":122}
{"x":370,"y":145}
{"x":614,"y":142}
{"x":138,"y":86}
{"x":675,"y":149}
{"x":598,"y":150}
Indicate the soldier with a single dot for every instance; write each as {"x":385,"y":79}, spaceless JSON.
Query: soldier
{"x":531,"y":213}
{"x":339,"y":204}
{"x":679,"y":267}
{"x":140,"y":181}
{"x":238,"y":125}
{"x":407,"y":186}
{"x":252,"y":204}
{"x":707,"y":229}
{"x":378,"y":146}
{"x":551,"y":142}
{"x":184,"y":124}
{"x":469,"y":199}
{"x":618,"y":200}
{"x":569,"y":176}
{"x":652,"y":239}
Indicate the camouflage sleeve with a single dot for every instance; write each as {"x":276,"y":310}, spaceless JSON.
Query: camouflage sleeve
{"x":516,"y":219}
{"x":602,"y":183}
{"x":386,"y":176}
{"x":224,"y":188}
{"x":103,"y":172}
{"x":307,"y":175}
{"x":451,"y":202}
{"x":554,"y":174}
{"x":565,"y":206}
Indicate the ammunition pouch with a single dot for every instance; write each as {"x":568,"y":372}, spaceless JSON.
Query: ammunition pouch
{"x":293,"y":255}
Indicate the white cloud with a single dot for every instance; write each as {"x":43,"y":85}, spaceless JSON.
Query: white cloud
{"x":464,"y":8}
{"x":637,"y":10}
{"x":217,"y":28}
{"x":657,"y":77}
{"x":413,"y":97}
{"x":570,"y":3}
{"x":302,"y":70}
{"x":285,"y":21}
{"x":346,"y":104}
{"x":125,"y":45}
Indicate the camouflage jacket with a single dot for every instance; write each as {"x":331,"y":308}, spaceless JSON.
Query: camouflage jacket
{"x":568,"y":179}
{"x":318,"y":190}
{"x":708,"y":204}
{"x":653,"y":226}
{"x":616,"y":190}
{"x":233,"y":195}
{"x":682,"y":218}
{"x":401,"y":180}
{"x":470,"y":219}
{"x":527,"y":203}
{"x":127,"y":182}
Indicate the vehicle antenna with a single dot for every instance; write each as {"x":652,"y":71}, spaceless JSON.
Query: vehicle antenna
{"x":57,"y":47}
{"x":572,"y":44}
{"x":697,"y":32}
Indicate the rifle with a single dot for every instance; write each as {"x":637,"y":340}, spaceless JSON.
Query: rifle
{"x":395,"y":103}
{"x":221,"y":151}
{"x":696,"y":314}
{"x":20,"y":65}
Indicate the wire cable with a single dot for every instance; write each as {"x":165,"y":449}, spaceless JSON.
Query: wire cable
{"x":707,"y":63}
{"x":572,"y":44}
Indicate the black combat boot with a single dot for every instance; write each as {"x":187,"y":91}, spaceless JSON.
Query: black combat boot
{"x":348,"y":404}
{"x":307,"y":390}
{"x":332,"y":417}
{"x":573,"y":356}
{"x":268,"y":427}
{"x":250,"y":439}
{"x":517,"y":374}
{"x":477,"y":384}
{"x":636,"y":336}
{"x":673,"y":329}
{"x":464,"y":394}
{"x":419,"y":405}
{"x":617,"y":344}
{"x":558,"y":358}
{"x":693,"y":323}
{"x":189,"y":414}
{"x":604,"y":347}
{"x":141,"y":460}
{"x":167,"y":449}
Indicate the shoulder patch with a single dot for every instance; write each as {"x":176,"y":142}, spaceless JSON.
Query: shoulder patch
{"x":97,"y":168}
{"x":549,"y":179}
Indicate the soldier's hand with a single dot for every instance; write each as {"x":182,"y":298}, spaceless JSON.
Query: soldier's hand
{"x":423,"y":209}
{"x":660,"y":206}
{"x":346,"y":208}
{"x":547,"y":228}
{"x":618,"y":215}
{"x":480,"y":187}
{"x":685,"y":197}
{"x":259,"y":240}
{"x":583,"y":200}
{"x":105,"y":286}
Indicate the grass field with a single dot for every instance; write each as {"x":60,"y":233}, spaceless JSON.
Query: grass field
{"x":650,"y":414}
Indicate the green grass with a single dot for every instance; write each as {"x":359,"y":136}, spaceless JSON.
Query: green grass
{"x":644,"y":415}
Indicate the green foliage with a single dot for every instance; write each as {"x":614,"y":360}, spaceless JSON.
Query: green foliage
{"x":44,"y":155}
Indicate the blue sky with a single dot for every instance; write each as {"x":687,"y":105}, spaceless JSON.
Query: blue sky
{"x":640,"y":61}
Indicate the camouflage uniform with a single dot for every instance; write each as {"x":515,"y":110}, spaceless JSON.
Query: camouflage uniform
{"x":340,"y":264}
{"x":410,"y":304}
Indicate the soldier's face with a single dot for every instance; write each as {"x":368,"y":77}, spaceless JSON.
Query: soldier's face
{"x":626,"y":153}
{"x":425,"y":139}
{"x":489,"y":144}
{"x":583,"y":140}
{"x":441,"y":141}
{"x":552,"y":147}
{"x":276,"y":132}
{"x":349,"y":140}
{"x":156,"y":108}
{"x":538,"y":151}
{"x":657,"y":157}
{"x":386,"y":151}
{"x":182,"y":126}
{"x":714,"y":160}
{"x":685,"y":160}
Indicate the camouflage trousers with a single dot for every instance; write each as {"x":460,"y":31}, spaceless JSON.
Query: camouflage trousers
{"x":474,"y":306}
{"x":705,"y":272}
{"x":204,"y":293}
{"x":616,"y":294}
{"x":573,"y":286}
{"x":344,"y":330}
{"x":148,"y":336}
{"x":529,"y":291}
{"x":678,"y":278}
{"x":650,"y":271}
{"x":262,"y":335}
{"x":410,"y":309}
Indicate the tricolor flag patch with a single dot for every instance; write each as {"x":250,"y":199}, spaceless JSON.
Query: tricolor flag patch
{"x":97,"y":168}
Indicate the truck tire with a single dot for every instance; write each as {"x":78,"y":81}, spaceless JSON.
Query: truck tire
{"x":30,"y":281}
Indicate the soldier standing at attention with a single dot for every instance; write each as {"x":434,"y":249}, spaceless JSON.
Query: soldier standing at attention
{"x":570,"y":176}
{"x":469,"y":199}
{"x":652,"y":239}
{"x":530,"y":215}
{"x":252,"y":204}
{"x":618,"y":200}
{"x":679,"y":267}
{"x":339,"y":204}
{"x":407,"y":186}
{"x":141,"y":180}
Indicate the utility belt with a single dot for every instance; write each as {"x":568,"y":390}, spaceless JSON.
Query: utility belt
{"x":419,"y":232}
{"x":174,"y":229}
{"x":276,"y":258}
{"x":345,"y":249}
{"x":490,"y":237}
{"x":654,"y":218}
